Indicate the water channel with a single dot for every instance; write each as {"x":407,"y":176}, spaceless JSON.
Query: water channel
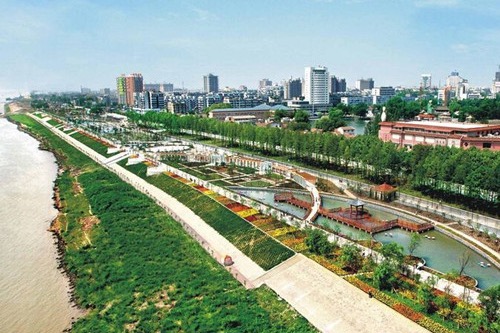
{"x":441,"y":253}
{"x":356,"y":123}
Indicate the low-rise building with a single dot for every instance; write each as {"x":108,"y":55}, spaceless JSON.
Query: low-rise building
{"x":353,"y":100}
{"x":435,"y":133}
{"x":260,"y":112}
{"x":347,"y":131}
{"x":241,"y":119}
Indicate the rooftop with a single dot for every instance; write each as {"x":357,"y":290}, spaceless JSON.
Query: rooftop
{"x":448,"y":124}
{"x":261,"y":107}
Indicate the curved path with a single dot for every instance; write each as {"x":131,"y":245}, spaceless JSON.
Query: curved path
{"x":329,"y":302}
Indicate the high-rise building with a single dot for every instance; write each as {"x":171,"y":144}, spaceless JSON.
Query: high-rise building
{"x":135,"y":86}
{"x":264,"y":84}
{"x":292,"y":88}
{"x":121,"y":89}
{"x":316,"y":85}
{"x":210,"y":83}
{"x":152,"y":86}
{"x":364,"y":84}
{"x":337,"y":85}
{"x":153,"y":100}
{"x":163,"y":87}
{"x":454,"y":80}
{"x":128,"y":88}
{"x":85,"y":90}
{"x":426,"y":81}
{"x":496,"y":84}
{"x":167,"y":87}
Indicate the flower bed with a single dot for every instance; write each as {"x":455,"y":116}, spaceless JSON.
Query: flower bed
{"x":328,"y":265}
{"x":432,"y":326}
{"x":360,"y":284}
{"x":247,"y":212}
{"x":251,"y":218}
{"x":291,"y":242}
{"x":408,"y":312}
{"x":232,"y":204}
{"x":238,"y":208}
{"x":262,"y":222}
{"x":404,"y":309}
{"x":280,"y":231}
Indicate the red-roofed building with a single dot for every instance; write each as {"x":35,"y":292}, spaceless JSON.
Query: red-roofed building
{"x":435,"y":133}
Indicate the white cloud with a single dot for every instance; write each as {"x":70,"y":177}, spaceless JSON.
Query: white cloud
{"x":204,"y":15}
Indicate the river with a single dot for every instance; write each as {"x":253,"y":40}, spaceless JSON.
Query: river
{"x":33,"y":292}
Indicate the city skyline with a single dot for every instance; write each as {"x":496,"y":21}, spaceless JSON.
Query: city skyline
{"x":56,"y":45}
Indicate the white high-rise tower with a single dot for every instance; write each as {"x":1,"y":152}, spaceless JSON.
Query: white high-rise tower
{"x":316,"y":85}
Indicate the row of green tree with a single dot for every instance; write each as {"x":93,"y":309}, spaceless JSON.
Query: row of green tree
{"x":448,"y":173}
{"x":480,"y":109}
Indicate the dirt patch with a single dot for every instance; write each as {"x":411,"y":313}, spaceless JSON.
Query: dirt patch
{"x":88,"y":222}
{"x":77,"y":188}
{"x":131,"y":327}
{"x":325,"y":185}
{"x":163,"y":301}
{"x":492,"y":242}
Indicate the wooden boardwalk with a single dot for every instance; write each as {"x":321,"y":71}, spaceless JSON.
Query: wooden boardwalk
{"x":364,"y":221}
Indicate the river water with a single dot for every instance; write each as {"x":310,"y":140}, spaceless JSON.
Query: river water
{"x":33,"y":292}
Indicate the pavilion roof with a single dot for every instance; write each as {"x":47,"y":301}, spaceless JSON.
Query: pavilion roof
{"x":356,"y":202}
{"x":384,"y":188}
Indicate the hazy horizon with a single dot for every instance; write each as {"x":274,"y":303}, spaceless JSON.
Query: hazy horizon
{"x":65,"y":45}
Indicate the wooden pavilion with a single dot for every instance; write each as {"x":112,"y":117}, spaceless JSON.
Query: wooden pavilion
{"x":358,"y":206}
{"x":383,"y":192}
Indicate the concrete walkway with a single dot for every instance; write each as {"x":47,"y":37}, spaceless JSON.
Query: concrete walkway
{"x":333,"y":304}
{"x":330,"y":303}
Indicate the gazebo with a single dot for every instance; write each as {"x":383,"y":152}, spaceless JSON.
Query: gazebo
{"x":383,"y":192}
{"x":358,"y":206}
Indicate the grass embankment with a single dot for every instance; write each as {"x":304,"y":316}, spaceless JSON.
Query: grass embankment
{"x":256,"y":183}
{"x":142,"y":272}
{"x":261,"y":248}
{"x":92,"y":143}
{"x":53,"y":122}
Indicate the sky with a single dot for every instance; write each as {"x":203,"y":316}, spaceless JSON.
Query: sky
{"x":52,"y":45}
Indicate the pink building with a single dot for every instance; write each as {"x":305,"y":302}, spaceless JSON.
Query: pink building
{"x":435,"y":133}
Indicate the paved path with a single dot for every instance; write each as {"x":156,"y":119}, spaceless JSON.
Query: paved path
{"x":330,"y":303}
{"x":333,"y":304}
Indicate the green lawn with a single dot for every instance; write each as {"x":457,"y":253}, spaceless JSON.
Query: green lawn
{"x":246,"y":170}
{"x":99,"y":147}
{"x":53,"y":122}
{"x":143,"y":273}
{"x":221,"y":183}
{"x":256,"y":183}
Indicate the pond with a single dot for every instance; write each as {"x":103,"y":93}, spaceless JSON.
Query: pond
{"x":441,"y":253}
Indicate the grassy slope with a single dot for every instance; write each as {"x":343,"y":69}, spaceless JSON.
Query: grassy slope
{"x":261,"y":248}
{"x":95,"y":145}
{"x":144,"y":272}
